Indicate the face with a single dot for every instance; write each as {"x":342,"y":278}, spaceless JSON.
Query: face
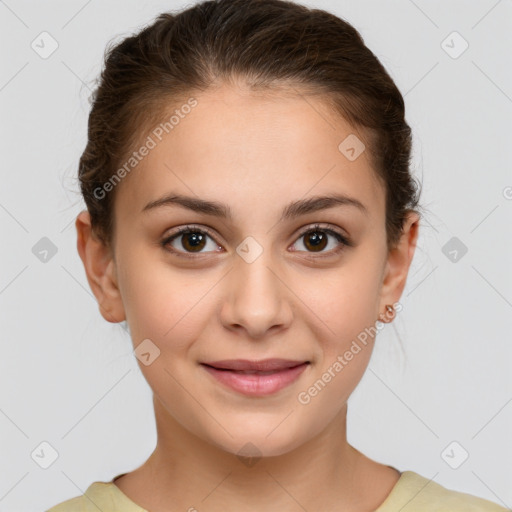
{"x":264,"y":280}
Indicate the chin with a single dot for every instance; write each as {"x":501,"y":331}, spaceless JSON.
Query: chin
{"x":259,"y":438}
{"x":256,"y":447}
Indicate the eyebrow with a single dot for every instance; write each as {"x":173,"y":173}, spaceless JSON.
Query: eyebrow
{"x":292,"y":210}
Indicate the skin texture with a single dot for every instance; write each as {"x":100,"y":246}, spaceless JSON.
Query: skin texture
{"x":256,"y":153}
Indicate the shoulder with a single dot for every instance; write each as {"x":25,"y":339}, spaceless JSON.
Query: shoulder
{"x":415,"y":493}
{"x":104,"y":496}
{"x":71,"y":505}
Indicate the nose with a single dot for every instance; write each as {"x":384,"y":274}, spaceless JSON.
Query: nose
{"x":257,"y":298}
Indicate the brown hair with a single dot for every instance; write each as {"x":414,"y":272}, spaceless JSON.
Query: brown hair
{"x":270,"y":45}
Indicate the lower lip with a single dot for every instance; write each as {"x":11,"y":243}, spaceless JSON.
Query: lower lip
{"x":256,"y":384}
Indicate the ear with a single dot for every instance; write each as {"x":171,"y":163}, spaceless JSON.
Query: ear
{"x":100,"y":269}
{"x":398,"y":263}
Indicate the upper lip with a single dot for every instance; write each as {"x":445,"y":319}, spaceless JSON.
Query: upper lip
{"x":261,"y":365}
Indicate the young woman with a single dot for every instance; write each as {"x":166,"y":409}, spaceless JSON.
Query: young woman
{"x":252,"y":216}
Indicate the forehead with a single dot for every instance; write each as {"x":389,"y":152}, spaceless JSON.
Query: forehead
{"x":253,"y":149}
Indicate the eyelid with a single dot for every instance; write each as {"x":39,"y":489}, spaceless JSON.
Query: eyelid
{"x":193,"y":227}
{"x":329,"y":228}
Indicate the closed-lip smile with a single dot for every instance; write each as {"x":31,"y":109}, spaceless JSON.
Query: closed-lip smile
{"x":256,"y":377}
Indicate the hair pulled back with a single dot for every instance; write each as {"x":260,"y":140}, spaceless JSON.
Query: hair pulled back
{"x":270,"y":45}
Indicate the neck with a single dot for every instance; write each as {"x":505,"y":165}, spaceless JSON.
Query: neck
{"x":325,"y":473}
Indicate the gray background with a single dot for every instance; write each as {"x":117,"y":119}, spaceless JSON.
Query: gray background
{"x":70,"y":379}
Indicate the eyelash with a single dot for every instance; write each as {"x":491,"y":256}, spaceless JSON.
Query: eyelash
{"x":342,"y":239}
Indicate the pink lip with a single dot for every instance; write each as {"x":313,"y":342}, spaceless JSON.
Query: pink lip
{"x":268,"y":376}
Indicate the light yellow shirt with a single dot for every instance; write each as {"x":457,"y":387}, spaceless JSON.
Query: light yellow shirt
{"x":411,"y":493}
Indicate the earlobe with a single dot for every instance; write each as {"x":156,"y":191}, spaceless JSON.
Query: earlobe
{"x":398,"y":262}
{"x":100,"y":269}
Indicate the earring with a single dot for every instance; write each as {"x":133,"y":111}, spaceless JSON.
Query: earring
{"x":390,"y":309}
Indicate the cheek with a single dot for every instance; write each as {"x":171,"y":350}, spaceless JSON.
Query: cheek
{"x":346,"y":307}
{"x":163,"y":304}
{"x":342,"y":303}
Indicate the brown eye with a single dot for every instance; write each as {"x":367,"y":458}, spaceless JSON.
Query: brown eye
{"x":193,"y":241}
{"x":189,"y":241}
{"x":316,"y":239}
